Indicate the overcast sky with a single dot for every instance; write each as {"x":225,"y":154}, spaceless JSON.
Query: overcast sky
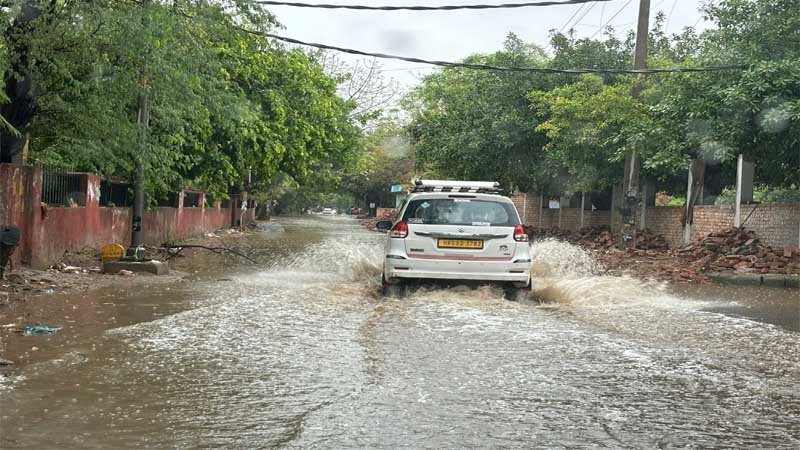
{"x":452,"y":35}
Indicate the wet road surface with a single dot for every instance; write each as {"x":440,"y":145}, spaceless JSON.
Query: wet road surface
{"x":301,"y":353}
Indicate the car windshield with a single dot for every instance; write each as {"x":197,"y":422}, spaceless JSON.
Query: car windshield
{"x":460,"y":211}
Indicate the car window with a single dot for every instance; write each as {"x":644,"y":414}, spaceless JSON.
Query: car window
{"x":457,"y":211}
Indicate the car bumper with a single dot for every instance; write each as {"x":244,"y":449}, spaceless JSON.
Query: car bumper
{"x":457,"y":270}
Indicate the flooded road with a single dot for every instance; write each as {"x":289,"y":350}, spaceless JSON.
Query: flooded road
{"x":301,"y":353}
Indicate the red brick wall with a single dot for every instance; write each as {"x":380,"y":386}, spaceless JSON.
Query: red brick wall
{"x":529,"y":207}
{"x":666,"y":221}
{"x":530,"y":210}
{"x":776,"y":225}
{"x":570,"y":218}
{"x":47,"y":234}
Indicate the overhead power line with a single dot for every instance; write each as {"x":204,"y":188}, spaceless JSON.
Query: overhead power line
{"x":612,"y":18}
{"x":588,"y":10}
{"x":488,"y":66}
{"x":577,"y":11}
{"x":426,"y":8}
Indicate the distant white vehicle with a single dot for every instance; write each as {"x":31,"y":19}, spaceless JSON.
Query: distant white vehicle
{"x":328,"y":212}
{"x":456,"y":230}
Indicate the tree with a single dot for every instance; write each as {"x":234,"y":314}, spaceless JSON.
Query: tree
{"x":225,"y":104}
{"x":362,"y":84}
{"x":470,"y":124}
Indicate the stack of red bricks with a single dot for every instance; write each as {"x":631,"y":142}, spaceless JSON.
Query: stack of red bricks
{"x":386,"y":214}
{"x":738,"y":249}
{"x":599,"y":238}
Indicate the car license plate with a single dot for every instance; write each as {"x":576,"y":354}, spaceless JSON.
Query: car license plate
{"x":461,"y":243}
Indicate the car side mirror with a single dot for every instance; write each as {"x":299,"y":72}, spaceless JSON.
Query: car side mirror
{"x":384,"y":225}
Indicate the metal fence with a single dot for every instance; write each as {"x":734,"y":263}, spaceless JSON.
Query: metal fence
{"x":61,"y":188}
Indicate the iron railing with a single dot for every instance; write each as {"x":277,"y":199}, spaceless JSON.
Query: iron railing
{"x":61,"y":188}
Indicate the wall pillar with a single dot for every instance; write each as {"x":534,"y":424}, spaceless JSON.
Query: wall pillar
{"x":562,"y":200}
{"x":525,"y":207}
{"x":745,"y":171}
{"x":541,"y":206}
{"x":583,"y":208}
{"x":693,"y":191}
{"x":617,"y":203}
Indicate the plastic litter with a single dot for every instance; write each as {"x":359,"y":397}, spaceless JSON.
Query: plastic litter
{"x":38,"y":330}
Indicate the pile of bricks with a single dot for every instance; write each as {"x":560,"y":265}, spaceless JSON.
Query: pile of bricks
{"x":599,"y":238}
{"x":370,"y":222}
{"x":739,"y":250}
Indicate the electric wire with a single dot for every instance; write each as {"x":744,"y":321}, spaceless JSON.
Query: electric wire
{"x":588,"y":10}
{"x":610,"y":19}
{"x":425,"y":8}
{"x":488,"y":66}
{"x":669,"y":17}
{"x":575,"y":14}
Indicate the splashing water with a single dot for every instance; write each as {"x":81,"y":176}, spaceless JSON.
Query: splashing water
{"x":564,"y":273}
{"x":552,"y":257}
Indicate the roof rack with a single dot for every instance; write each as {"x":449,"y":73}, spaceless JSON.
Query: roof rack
{"x":473,"y":187}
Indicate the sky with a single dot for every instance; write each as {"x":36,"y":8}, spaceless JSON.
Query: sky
{"x":453,"y":35}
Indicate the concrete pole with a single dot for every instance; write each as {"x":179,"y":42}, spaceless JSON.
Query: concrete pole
{"x":541,"y":206}
{"x":525,"y":208}
{"x":583,"y":206}
{"x":633,"y":163}
{"x":745,"y":171}
{"x":693,"y":192}
{"x":643,"y":211}
{"x":561,"y":202}
{"x":138,"y":184}
{"x":687,"y":227}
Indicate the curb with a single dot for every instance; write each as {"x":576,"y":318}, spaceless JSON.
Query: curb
{"x":756,"y":279}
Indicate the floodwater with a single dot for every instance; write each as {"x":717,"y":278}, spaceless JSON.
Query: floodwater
{"x":300,"y":352}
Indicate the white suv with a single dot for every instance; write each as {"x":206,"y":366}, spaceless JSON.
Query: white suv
{"x":456,"y":230}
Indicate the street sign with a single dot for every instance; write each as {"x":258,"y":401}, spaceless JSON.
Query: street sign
{"x":112,"y":252}
{"x":397,"y":188}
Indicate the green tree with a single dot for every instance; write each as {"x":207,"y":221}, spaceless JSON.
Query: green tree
{"x":226,"y":105}
{"x":470,"y":124}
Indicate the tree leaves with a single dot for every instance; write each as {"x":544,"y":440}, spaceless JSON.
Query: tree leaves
{"x":226,"y":106}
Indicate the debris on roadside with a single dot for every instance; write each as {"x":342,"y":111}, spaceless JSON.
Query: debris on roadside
{"x":370,"y":222}
{"x":730,"y":250}
{"x":599,"y":237}
{"x":739,"y":250}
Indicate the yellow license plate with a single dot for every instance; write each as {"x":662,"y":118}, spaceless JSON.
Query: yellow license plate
{"x":460,"y":243}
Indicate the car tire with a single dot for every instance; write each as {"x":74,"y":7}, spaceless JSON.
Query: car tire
{"x":516,"y":292}
{"x":394,"y":289}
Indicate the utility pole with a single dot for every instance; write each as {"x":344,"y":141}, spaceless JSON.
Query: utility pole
{"x":633,"y":161}
{"x":136,"y":250}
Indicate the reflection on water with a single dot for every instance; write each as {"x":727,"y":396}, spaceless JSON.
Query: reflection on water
{"x":302,"y":353}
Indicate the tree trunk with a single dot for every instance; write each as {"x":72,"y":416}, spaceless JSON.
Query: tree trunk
{"x":21,"y":106}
